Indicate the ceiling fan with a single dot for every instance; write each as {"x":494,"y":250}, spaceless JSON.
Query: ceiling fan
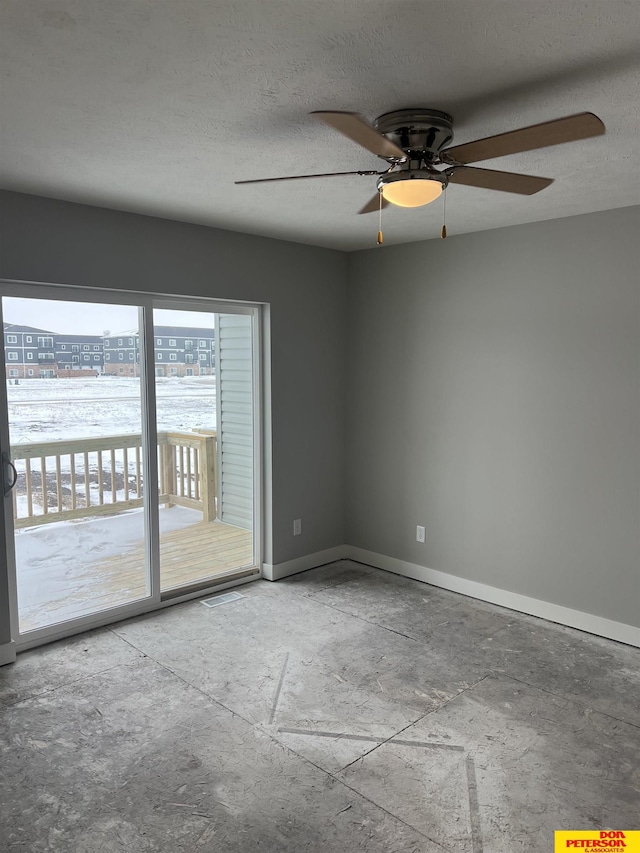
{"x":413,"y":142}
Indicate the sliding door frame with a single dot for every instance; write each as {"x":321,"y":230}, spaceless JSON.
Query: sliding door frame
{"x":155,"y":600}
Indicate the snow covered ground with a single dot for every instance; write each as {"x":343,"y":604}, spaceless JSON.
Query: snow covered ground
{"x":54,"y":561}
{"x":54,"y":409}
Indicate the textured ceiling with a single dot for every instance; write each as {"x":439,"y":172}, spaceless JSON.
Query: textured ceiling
{"x":157,"y":106}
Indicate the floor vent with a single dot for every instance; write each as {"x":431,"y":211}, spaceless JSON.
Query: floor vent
{"x":225,"y":598}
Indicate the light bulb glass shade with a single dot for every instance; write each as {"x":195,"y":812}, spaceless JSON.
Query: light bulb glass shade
{"x":410,"y":191}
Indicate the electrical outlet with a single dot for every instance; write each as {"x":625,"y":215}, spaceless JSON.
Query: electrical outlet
{"x":297,"y":526}
{"x":420,"y":534}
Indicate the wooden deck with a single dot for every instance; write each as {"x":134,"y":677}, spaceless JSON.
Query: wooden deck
{"x":188,"y":556}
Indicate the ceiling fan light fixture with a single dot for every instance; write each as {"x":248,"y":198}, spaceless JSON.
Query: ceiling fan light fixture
{"x":412,"y":189}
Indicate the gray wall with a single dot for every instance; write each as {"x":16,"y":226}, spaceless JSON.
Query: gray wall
{"x":494,"y":396}
{"x":493,"y":390}
{"x":52,"y":241}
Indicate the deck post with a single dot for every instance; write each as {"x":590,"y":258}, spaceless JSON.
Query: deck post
{"x":169,"y":471}
{"x":208,"y":478}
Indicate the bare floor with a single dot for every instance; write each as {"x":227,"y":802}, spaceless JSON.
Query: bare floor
{"x":344,"y":709}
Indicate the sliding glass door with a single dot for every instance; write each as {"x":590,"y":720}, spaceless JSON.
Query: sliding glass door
{"x":130,"y":452}
{"x":204,"y":384}
{"x":77,"y":446}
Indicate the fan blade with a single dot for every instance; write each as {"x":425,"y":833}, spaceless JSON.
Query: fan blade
{"x":373,"y":204}
{"x":488,"y":179}
{"x":356,"y":128}
{"x":568,"y":129}
{"x":300,"y":177}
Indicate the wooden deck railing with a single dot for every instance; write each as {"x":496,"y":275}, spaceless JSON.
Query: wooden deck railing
{"x":77,"y":478}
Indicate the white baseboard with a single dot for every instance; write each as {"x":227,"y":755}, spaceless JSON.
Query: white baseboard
{"x":274,"y":572}
{"x":7,"y":653}
{"x":597,"y":625}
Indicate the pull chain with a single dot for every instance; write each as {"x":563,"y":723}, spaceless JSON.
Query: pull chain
{"x":443,"y":233}
{"x":380,"y":237}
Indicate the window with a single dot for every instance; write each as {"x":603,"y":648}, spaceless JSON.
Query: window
{"x":173,"y":356}
{"x":45,"y":342}
{"x":87,"y":358}
{"x":173,"y":371}
{"x":96,"y":348}
{"x":106,"y":342}
{"x":130,"y":342}
{"x":119,"y":342}
{"x":172,"y":342}
{"x":30,"y":356}
{"x":120,"y":356}
{"x":63,"y":346}
{"x":159,"y":342}
{"x":188,"y":343}
{"x":12,"y":356}
{"x":96,"y":358}
{"x":203,"y":356}
{"x":45,"y":356}
{"x":107,"y":356}
{"x":130,"y":356}
{"x":85,"y":346}
{"x":12,"y":339}
{"x":14,"y":372}
{"x":121,"y":369}
{"x":29,"y":341}
{"x":30,"y":372}
{"x":202,"y":343}
{"x":75,"y":348}
{"x":75,"y":359}
{"x":159,"y":356}
{"x":188,"y":359}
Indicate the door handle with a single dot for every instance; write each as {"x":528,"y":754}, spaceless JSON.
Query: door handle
{"x":6,"y":462}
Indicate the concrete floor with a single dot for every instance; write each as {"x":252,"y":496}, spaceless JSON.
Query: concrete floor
{"x":344,"y":709}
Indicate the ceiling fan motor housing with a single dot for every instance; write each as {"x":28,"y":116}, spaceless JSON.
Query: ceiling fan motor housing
{"x":421,"y":132}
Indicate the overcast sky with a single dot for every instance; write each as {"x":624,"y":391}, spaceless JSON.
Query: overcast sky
{"x":91,"y":319}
